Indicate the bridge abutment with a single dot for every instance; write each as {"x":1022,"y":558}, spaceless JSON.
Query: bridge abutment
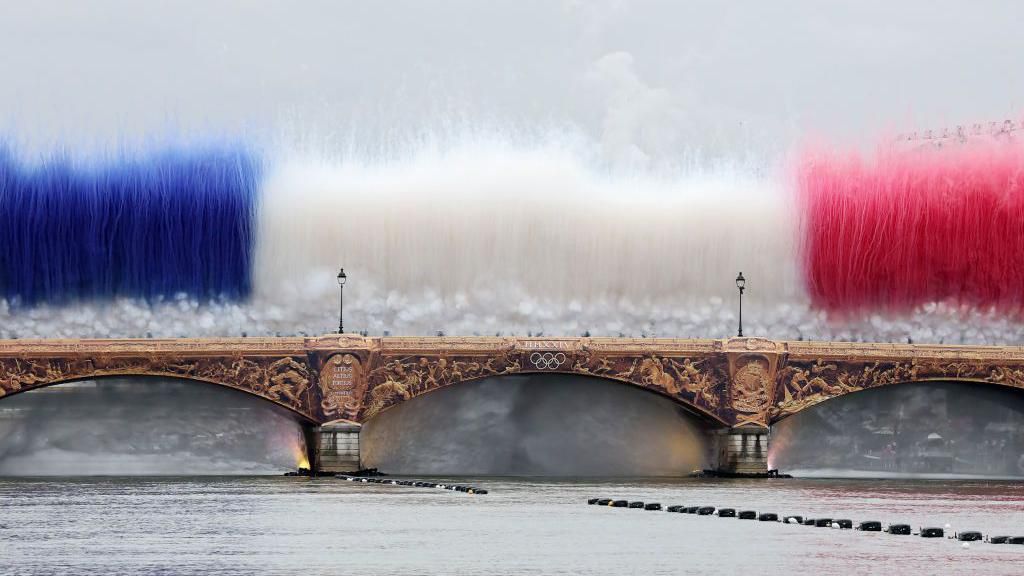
{"x":741,"y":450}
{"x":338,"y":447}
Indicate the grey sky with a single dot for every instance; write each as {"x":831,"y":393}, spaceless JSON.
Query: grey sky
{"x":643,"y":79}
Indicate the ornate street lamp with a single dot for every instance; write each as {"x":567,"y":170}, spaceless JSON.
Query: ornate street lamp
{"x":341,"y":300}
{"x":741,"y":283}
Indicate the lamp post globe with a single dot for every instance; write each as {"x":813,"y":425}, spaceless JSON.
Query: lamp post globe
{"x":741,"y":283}
{"x":341,"y":300}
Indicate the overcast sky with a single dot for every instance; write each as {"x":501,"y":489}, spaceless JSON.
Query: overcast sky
{"x":641,"y":79}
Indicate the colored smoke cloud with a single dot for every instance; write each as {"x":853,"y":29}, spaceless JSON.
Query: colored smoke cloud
{"x":908,"y":228}
{"x":487,"y":235}
{"x":173,"y":222}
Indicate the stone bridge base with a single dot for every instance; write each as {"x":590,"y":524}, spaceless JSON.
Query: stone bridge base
{"x":338,"y":448}
{"x":742,"y":450}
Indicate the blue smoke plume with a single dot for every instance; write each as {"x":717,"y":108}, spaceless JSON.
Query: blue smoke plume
{"x":171,"y":222}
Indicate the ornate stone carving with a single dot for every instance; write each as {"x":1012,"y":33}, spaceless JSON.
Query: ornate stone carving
{"x":751,"y":345}
{"x":284,"y":380}
{"x":803,"y":383}
{"x":342,"y":386}
{"x":751,"y":391}
{"x":697,"y":381}
{"x":399,"y":378}
{"x":738,"y":381}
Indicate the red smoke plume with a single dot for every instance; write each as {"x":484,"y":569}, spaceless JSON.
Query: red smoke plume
{"x":907,"y":228}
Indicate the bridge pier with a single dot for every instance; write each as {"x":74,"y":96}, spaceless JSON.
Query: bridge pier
{"x":338,"y":447}
{"x":741,"y":450}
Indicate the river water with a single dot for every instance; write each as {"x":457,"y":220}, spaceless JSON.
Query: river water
{"x":278,"y":525}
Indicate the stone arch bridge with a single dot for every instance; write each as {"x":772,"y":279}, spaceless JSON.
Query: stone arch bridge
{"x":737,"y":387}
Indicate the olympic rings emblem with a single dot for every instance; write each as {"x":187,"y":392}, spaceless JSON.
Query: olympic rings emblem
{"x":547,"y":360}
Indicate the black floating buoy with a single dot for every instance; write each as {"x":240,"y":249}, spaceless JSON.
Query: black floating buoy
{"x":969,"y":536}
{"x":809,"y":521}
{"x":899,"y":529}
{"x":691,"y":509}
{"x":652,"y":506}
{"x":747,"y":515}
{"x":636,"y":504}
{"x":674,"y":508}
{"x":932,"y":533}
{"x":593,"y":501}
{"x":1015,"y":540}
{"x":998,"y":539}
{"x":870,"y":526}
{"x":844,"y":523}
{"x":478,"y":491}
{"x":794,"y":520}
{"x":619,"y":503}
{"x":604,"y":501}
{"x":726,"y":512}
{"x":823,"y":522}
{"x":768,"y":517}
{"x":706,"y":510}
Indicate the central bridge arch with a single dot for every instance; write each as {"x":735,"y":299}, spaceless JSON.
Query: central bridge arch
{"x":538,"y":423}
{"x":699,"y":382}
{"x":391,"y":392}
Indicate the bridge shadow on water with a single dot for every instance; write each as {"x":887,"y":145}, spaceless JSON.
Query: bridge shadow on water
{"x":923,"y":429}
{"x":145,"y":426}
{"x":536,"y":425}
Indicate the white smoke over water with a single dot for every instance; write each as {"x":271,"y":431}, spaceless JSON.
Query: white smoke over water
{"x":151,"y":426}
{"x":539,"y":425}
{"x":925,"y":430}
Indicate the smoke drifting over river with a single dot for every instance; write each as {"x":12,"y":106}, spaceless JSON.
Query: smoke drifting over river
{"x":153,"y":426}
{"x":535,"y":425}
{"x":928,"y":428}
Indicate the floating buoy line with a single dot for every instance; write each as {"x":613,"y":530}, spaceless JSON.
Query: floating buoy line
{"x":413,"y":483}
{"x":965,"y":537}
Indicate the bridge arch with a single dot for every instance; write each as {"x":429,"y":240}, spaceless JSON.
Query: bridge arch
{"x":284,"y":381}
{"x":392,"y":392}
{"x":928,"y":425}
{"x":801,"y":385}
{"x":538,"y":423}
